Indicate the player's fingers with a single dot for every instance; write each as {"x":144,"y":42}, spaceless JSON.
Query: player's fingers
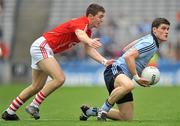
{"x":111,"y":61}
{"x":96,"y":44}
{"x":146,"y":84}
{"x":143,"y":82}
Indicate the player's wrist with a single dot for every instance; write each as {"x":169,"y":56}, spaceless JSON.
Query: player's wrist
{"x":136,"y":77}
{"x":104,"y":62}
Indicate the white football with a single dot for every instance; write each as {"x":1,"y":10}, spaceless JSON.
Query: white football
{"x":152,"y":74}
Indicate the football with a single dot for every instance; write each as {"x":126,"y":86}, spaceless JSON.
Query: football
{"x":152,"y":74}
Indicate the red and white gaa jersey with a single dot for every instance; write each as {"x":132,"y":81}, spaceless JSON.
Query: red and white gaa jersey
{"x":63,"y":36}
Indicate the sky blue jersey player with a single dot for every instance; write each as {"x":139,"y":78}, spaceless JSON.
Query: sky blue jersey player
{"x":146,"y":46}
{"x":119,"y":76}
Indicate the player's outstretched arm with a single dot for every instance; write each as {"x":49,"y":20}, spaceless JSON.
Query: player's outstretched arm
{"x":83,"y":37}
{"x":94,"y":54}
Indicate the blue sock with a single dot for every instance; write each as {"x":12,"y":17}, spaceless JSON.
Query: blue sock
{"x":106,"y":106}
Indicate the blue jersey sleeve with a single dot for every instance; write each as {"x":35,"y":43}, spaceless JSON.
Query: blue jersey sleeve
{"x":145,"y":48}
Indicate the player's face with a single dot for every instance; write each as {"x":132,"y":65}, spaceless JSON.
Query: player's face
{"x":161,"y":32}
{"x":96,"y":20}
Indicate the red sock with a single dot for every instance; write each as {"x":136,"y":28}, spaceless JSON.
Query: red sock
{"x":16,"y":103}
{"x":39,"y":98}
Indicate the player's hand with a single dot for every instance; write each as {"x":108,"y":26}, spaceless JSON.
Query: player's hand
{"x":109,"y":62}
{"x":95,"y":43}
{"x":106,"y":62}
{"x":141,"y":81}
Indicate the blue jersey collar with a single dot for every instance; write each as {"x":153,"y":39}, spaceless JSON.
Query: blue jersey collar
{"x":155,"y":39}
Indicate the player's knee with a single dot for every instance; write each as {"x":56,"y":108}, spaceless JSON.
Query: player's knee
{"x":129,"y":87}
{"x":59,"y":81}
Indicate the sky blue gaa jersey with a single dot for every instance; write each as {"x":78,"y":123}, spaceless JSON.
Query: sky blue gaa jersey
{"x":147,"y":46}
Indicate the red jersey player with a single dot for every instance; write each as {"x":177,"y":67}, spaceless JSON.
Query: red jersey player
{"x":44,"y":64}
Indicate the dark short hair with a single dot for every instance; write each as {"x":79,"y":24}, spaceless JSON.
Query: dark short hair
{"x":94,"y":9}
{"x":158,"y":21}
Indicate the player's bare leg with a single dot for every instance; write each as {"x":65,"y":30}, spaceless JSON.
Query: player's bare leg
{"x":38,"y":81}
{"x":123,"y":113}
{"x":52,"y":68}
{"x":122,"y":85}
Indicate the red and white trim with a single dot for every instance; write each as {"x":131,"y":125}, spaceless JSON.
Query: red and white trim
{"x":43,"y":50}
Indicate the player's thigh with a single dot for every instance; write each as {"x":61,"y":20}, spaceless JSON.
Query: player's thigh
{"x":38,"y":78}
{"x":127,"y":110}
{"x":51,"y":67}
{"x":123,"y":80}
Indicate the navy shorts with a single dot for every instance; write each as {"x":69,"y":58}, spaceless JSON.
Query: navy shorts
{"x":109,"y":78}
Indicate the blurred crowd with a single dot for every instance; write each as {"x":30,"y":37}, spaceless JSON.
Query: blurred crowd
{"x":1,"y":12}
{"x":4,"y":51}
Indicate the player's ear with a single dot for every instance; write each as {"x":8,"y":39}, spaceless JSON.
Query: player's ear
{"x":154,"y":29}
{"x":90,"y":16}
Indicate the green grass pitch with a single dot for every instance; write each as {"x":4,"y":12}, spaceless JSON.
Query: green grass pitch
{"x":155,"y":106}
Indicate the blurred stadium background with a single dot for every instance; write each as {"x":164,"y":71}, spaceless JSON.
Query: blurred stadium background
{"x":22,"y":21}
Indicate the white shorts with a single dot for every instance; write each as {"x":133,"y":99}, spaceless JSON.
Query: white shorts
{"x":40,"y":50}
